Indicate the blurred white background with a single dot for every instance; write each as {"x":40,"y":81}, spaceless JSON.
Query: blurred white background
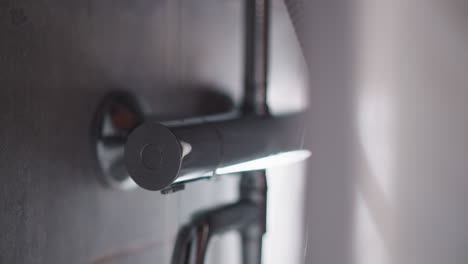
{"x":388,"y":181}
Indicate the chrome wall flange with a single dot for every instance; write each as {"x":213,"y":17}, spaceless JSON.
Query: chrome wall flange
{"x":117,"y":115}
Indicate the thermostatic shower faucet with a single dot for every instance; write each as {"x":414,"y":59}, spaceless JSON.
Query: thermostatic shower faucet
{"x":132,"y":148}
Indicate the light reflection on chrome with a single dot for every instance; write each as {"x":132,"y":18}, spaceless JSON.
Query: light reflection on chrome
{"x":276,"y":160}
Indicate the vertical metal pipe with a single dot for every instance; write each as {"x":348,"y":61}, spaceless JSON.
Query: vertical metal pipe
{"x":257,"y":21}
{"x":253,"y":186}
{"x":253,"y":189}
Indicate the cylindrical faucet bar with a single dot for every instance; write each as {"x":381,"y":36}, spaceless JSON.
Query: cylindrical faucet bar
{"x":157,"y":155}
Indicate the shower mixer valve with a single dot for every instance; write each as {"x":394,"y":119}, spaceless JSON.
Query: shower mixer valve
{"x":162,"y":156}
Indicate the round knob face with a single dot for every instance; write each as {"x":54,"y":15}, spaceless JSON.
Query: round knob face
{"x":153,"y":156}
